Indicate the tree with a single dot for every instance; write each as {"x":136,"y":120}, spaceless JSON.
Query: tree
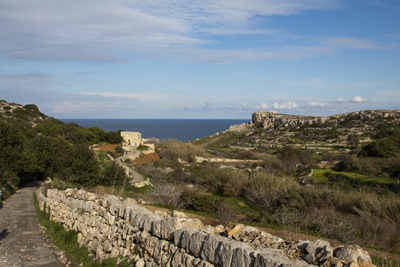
{"x":353,"y":141}
{"x":113,"y":137}
{"x":383,"y":148}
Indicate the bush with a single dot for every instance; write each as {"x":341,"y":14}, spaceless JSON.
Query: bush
{"x":200,"y":202}
{"x":177,"y":149}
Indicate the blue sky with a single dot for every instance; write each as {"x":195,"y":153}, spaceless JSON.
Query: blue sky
{"x":200,"y":59}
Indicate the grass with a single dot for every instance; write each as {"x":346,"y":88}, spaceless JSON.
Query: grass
{"x":240,"y":204}
{"x":353,"y":178}
{"x":67,"y":241}
{"x":103,"y":159}
{"x":379,"y":261}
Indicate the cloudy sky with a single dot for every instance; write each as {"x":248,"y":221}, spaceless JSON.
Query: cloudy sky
{"x":200,"y":59}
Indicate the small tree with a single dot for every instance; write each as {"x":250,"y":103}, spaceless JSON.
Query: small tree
{"x":353,"y":141}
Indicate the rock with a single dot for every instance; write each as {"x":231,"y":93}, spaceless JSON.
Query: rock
{"x":219,"y":229}
{"x":69,"y":192}
{"x":178,"y":214}
{"x":91,"y":196}
{"x":194,"y":241}
{"x":208,"y":229}
{"x":182,"y":237}
{"x":140,"y":263}
{"x":161,"y":213}
{"x":235,"y":230}
{"x":354,"y":253}
{"x":316,"y":249}
{"x":210,"y":246}
{"x":243,"y":257}
{"x":225,"y":250}
{"x":142,"y":184}
{"x":130,"y":201}
{"x":164,"y":228}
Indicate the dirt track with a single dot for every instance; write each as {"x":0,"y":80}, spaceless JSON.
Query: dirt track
{"x":23,"y":242}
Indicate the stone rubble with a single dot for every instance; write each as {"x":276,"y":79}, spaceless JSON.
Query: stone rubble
{"x":112,"y":228}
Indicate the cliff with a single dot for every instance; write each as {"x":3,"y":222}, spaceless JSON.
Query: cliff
{"x":274,"y":120}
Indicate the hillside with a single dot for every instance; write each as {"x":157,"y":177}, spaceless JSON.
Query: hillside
{"x":28,"y":115}
{"x":334,"y":134}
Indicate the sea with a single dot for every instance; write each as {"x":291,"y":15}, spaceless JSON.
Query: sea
{"x":163,"y":129}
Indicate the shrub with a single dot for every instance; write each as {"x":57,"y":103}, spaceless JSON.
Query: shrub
{"x":177,"y":149}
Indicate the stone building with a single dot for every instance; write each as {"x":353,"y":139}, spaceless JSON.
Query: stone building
{"x":132,"y":139}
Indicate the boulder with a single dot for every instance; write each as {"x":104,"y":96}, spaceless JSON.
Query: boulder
{"x":208,"y":229}
{"x":130,"y":201}
{"x":164,"y":228}
{"x":161,"y":213}
{"x":178,"y":214}
{"x":354,"y":253}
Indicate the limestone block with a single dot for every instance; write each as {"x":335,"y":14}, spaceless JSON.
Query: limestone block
{"x":100,"y":237}
{"x":242,"y":257}
{"x":140,"y":263}
{"x":188,"y":260}
{"x":107,"y":200}
{"x":178,"y":214}
{"x":169,"y":225}
{"x":130,"y":201}
{"x":354,"y":253}
{"x":88,"y":206}
{"x":114,"y":206}
{"x":131,"y":212}
{"x":41,"y":199}
{"x":208,"y":229}
{"x":104,"y":228}
{"x":219,"y":229}
{"x":111,"y":232}
{"x":69,"y":192}
{"x":110,"y":219}
{"x":107,"y":246}
{"x":176,"y":259}
{"x":235,"y":230}
{"x":271,"y":257}
{"x":315,"y":248}
{"x":121,"y":243}
{"x":158,"y":251}
{"x":149,"y":244}
{"x":211,"y":243}
{"x":195,"y":242}
{"x":182,"y":236}
{"x":80,"y":194}
{"x":161,"y":213}
{"x":224,"y":252}
{"x":145,"y":220}
{"x":91,"y":196}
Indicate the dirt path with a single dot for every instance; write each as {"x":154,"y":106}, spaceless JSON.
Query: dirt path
{"x":23,"y":242}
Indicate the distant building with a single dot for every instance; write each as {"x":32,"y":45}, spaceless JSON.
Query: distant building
{"x":132,"y":139}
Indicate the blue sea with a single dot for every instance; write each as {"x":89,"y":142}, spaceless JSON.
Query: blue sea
{"x":180,"y":129}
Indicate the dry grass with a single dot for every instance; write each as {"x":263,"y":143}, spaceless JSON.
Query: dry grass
{"x":177,"y":149}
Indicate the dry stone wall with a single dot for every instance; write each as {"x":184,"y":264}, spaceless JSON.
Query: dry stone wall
{"x":113,"y":228}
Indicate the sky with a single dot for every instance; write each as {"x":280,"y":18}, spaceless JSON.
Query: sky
{"x":205,"y":59}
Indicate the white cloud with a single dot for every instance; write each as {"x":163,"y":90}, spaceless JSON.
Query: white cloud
{"x":340,"y":100}
{"x":357,"y":99}
{"x":58,"y":30}
{"x":351,"y":43}
{"x":264,"y":105}
{"x":317,"y":104}
{"x":288,"y":105}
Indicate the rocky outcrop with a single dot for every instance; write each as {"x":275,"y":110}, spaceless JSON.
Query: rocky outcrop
{"x":274,"y":120}
{"x":111,"y":228}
